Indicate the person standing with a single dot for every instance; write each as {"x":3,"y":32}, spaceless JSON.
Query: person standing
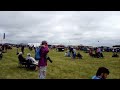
{"x":42,"y":63}
{"x":37,"y":53}
{"x":17,"y":47}
{"x":22,"y":49}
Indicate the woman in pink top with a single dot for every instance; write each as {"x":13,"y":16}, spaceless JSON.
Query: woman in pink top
{"x":42,"y":64}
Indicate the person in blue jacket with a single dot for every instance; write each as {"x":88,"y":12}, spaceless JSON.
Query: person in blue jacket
{"x":101,"y":73}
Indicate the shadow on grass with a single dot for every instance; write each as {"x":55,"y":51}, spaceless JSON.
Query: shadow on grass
{"x":27,"y":69}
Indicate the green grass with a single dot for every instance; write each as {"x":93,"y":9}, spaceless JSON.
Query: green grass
{"x":61,"y":68}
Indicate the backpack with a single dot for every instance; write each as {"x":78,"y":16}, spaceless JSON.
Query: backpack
{"x":37,"y":53}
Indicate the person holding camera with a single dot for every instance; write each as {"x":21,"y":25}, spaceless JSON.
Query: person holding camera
{"x":42,"y":64}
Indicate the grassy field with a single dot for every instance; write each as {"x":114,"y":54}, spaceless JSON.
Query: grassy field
{"x":61,"y":68}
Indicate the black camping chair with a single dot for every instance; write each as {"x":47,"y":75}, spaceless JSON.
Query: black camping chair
{"x":22,"y":61}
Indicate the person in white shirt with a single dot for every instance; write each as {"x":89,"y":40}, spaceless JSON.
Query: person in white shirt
{"x":74,"y":53}
{"x":65,"y":54}
{"x":31,"y":58}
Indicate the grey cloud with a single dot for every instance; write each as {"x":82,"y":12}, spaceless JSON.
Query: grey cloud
{"x":86,"y":27}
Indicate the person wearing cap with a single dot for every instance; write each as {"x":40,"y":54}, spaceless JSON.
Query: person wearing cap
{"x":31,"y":58}
{"x":42,"y":64}
{"x":21,"y":58}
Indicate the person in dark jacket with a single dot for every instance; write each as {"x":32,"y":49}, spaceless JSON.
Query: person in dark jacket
{"x":22,"y":49}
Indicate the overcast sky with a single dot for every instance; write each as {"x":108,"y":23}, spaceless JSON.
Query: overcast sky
{"x":62,"y":27}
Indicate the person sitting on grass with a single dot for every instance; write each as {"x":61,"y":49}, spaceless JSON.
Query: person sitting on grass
{"x":21,"y":58}
{"x":101,"y":73}
{"x":32,"y":59}
{"x":79,"y":55}
{"x":90,"y":52}
{"x":74,"y":53}
{"x":34,"y":62}
{"x":68,"y":53}
{"x":65,"y":54}
{"x":115,"y":55}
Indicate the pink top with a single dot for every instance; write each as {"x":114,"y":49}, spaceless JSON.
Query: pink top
{"x":43,"y":53}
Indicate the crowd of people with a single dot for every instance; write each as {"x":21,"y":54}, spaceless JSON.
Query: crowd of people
{"x":71,"y":52}
{"x":41,"y":57}
{"x":39,"y":61}
{"x":98,"y":53}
